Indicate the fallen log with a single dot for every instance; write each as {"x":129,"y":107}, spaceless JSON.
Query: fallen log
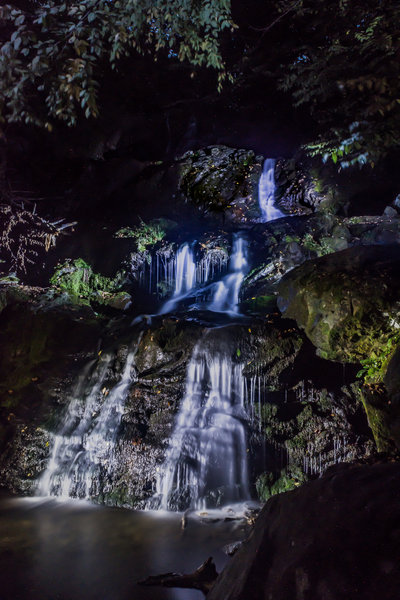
{"x":202,"y":579}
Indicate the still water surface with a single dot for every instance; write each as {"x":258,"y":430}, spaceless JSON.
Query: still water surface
{"x":52,"y":550}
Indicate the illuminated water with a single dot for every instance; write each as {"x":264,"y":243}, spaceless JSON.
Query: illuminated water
{"x":206,"y":462}
{"x":266,"y":192}
{"x":84,"y":444}
{"x":51,"y":550}
{"x":185,"y":278}
{"x":226,"y":292}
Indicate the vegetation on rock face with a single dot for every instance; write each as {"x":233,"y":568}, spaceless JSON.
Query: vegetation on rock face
{"x":267,"y":485}
{"x":345,"y":302}
{"x":77,"y":280}
{"x":145,"y":234}
{"x":348,"y":305}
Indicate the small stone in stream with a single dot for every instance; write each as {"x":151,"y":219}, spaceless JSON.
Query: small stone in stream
{"x":390,"y":212}
{"x":231,"y":549}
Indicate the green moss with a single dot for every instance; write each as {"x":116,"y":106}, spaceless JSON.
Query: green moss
{"x":288,"y":239}
{"x":77,"y":279}
{"x":374,"y":367}
{"x":268,"y":485}
{"x":146,"y":234}
{"x":260,"y":304}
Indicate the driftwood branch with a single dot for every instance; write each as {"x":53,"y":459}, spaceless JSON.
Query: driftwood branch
{"x":202,"y":579}
{"x":281,"y":16}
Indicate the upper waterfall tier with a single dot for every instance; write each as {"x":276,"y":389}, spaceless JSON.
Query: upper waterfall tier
{"x":266,"y":192}
{"x":218,"y":296}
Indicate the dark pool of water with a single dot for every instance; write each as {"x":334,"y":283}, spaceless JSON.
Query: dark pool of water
{"x":75,"y":551}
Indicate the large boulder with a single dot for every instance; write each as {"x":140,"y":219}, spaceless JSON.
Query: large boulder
{"x":334,"y":538}
{"x":348,"y":303}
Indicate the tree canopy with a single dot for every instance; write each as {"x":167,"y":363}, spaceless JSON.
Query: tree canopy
{"x":338,"y":59}
{"x":345,"y":68}
{"x":52,"y":53}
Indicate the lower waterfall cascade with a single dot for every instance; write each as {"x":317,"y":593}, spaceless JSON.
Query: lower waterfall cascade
{"x":206,"y":462}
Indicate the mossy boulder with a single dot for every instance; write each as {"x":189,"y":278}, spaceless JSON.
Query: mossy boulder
{"x":348,"y":303}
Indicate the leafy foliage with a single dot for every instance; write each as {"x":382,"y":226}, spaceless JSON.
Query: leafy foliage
{"x":53,"y":52}
{"x":345,"y":68}
{"x":144,"y":234}
{"x":374,"y":367}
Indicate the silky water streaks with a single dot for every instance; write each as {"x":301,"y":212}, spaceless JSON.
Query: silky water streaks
{"x":206,"y":461}
{"x":266,"y":192}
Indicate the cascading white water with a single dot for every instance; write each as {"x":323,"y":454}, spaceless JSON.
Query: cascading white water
{"x":84,"y":445}
{"x":206,"y":462}
{"x":226,"y":294}
{"x":166,"y":273}
{"x":185,"y":278}
{"x":266,"y":192}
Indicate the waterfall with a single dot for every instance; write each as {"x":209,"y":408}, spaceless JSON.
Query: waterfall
{"x":166,"y":272}
{"x":206,"y":461}
{"x":84,"y":445}
{"x":226,"y":295}
{"x":185,"y":278}
{"x":266,"y":192}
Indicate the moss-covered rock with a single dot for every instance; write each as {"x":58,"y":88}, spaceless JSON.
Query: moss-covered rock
{"x":348,"y":303}
{"x":267,"y":485}
{"x":223,"y":180}
{"x":76,"y":279}
{"x":349,"y":306}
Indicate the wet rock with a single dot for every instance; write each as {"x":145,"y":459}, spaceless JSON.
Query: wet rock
{"x":349,"y":306}
{"x":231,"y":549}
{"x":219,"y":179}
{"x":23,"y":461}
{"x":303,"y":188}
{"x":35,"y":373}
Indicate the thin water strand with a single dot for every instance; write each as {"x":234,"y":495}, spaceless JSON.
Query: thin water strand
{"x":226,"y":291}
